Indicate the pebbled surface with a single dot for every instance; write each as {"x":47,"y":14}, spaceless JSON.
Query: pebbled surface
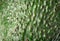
{"x":30,"y":20}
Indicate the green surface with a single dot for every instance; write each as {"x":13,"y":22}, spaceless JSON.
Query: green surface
{"x":29,"y":20}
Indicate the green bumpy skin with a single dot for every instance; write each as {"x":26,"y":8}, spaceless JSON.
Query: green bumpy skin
{"x":29,"y":20}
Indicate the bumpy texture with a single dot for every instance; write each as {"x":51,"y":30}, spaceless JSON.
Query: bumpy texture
{"x":29,"y":20}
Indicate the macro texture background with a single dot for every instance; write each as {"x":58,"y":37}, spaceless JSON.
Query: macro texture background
{"x":29,"y":20}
